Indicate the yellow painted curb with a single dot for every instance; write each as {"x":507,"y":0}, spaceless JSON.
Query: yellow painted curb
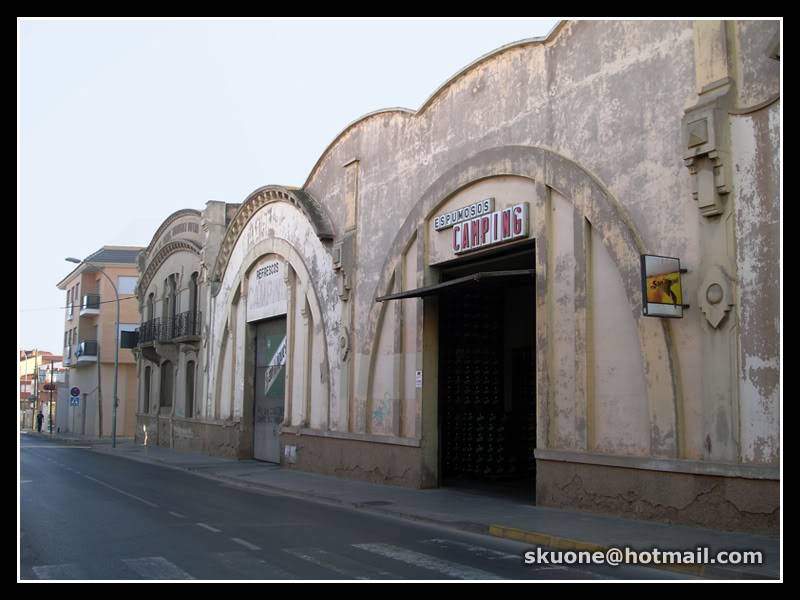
{"x":562,"y":543}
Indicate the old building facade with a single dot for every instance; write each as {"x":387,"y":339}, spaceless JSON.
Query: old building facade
{"x":454,"y":295}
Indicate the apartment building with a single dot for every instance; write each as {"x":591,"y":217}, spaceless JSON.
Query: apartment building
{"x":89,"y":334}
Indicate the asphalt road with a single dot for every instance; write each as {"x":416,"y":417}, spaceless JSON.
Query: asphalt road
{"x":91,"y":516}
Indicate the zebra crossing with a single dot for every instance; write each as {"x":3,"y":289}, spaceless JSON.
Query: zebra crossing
{"x":354,"y":561}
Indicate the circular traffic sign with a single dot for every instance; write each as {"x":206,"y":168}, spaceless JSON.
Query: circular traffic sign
{"x":76,"y":391}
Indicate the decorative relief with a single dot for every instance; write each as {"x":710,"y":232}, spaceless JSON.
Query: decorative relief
{"x":302,"y":201}
{"x":715,"y":296}
{"x":707,"y":157}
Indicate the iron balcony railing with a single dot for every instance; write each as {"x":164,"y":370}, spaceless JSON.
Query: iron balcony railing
{"x":186,"y":324}
{"x":150,"y":331}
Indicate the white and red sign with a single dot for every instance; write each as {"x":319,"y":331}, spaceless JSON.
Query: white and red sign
{"x":490,"y":229}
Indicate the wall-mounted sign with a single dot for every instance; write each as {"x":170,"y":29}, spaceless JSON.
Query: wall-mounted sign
{"x":266,"y":291}
{"x":661,"y":287}
{"x":465,"y":213}
{"x":490,"y":228}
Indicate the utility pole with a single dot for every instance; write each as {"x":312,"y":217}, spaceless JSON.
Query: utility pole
{"x":51,"y":397}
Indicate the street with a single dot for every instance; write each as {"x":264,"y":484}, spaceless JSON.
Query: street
{"x":91,"y":516}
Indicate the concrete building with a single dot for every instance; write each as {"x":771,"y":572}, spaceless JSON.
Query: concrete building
{"x":455,"y":295}
{"x":89,"y":334}
{"x":37,"y":370}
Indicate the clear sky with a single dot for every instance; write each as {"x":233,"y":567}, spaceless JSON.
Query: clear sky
{"x":121,"y":123}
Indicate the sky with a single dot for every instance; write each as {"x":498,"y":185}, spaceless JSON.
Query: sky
{"x":122,"y":122}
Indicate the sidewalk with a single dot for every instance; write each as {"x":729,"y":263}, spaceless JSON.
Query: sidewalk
{"x":499,"y":516}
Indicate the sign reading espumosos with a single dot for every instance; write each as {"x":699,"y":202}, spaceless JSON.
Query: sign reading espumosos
{"x":477,"y":226}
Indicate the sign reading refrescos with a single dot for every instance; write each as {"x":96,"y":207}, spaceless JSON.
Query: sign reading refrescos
{"x":266,"y":289}
{"x":662,"y":295}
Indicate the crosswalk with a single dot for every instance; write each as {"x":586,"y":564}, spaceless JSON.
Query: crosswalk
{"x":369,"y":560}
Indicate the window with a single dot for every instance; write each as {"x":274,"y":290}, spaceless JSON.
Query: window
{"x":189,"y":411}
{"x":150,"y":302}
{"x":127,"y":327}
{"x":126,"y":285}
{"x":146,"y":395}
{"x":165,"y":401}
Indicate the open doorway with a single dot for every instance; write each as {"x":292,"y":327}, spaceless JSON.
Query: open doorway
{"x":487,"y":375}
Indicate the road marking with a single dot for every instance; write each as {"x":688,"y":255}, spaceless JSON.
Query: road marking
{"x":209,"y":527}
{"x":156,"y":567}
{"x":480,"y":551}
{"x":251,"y":566}
{"x":246,"y":544}
{"x":64,"y":571}
{"x":123,"y":492}
{"x":179,"y":515}
{"x":27,"y":481}
{"x":424,"y":561}
{"x":321,"y":558}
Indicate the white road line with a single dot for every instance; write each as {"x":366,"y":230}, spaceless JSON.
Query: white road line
{"x":424,"y":561}
{"x":209,"y":527}
{"x":480,"y":551}
{"x":123,"y":492}
{"x":246,"y":544}
{"x":179,"y":515}
{"x":321,"y":558}
{"x":64,"y":571}
{"x":249,"y":565}
{"x":27,"y":481}
{"x":156,"y":567}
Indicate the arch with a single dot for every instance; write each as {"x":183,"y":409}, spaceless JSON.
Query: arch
{"x":618,"y":234}
{"x":313,"y":211}
{"x":184,"y":212}
{"x":161,"y":256}
{"x":406,"y":112}
{"x":286,"y":251}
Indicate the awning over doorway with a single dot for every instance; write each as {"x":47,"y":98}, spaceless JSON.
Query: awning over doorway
{"x":474,"y":278}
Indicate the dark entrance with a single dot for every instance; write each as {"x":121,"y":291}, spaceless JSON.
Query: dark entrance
{"x":269,"y":389}
{"x":487,"y":370}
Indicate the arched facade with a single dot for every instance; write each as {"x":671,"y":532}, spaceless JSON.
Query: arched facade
{"x":170,"y":330}
{"x":362,"y":326}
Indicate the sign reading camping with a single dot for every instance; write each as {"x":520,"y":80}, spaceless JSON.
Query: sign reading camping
{"x":478,"y":226}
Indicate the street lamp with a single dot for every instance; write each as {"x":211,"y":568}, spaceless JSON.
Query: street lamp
{"x":116,"y":349}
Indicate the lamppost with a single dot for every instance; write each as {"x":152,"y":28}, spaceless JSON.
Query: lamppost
{"x":116,"y":349}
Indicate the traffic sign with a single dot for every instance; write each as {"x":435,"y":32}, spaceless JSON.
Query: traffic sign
{"x":76,"y":391}
{"x":75,"y":401}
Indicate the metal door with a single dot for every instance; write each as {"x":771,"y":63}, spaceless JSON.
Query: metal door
{"x":270,"y":388}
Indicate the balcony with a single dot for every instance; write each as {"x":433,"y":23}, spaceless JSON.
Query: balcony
{"x":186,"y":327}
{"x":90,"y":305}
{"x":87,"y":352}
{"x":150,"y":331}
